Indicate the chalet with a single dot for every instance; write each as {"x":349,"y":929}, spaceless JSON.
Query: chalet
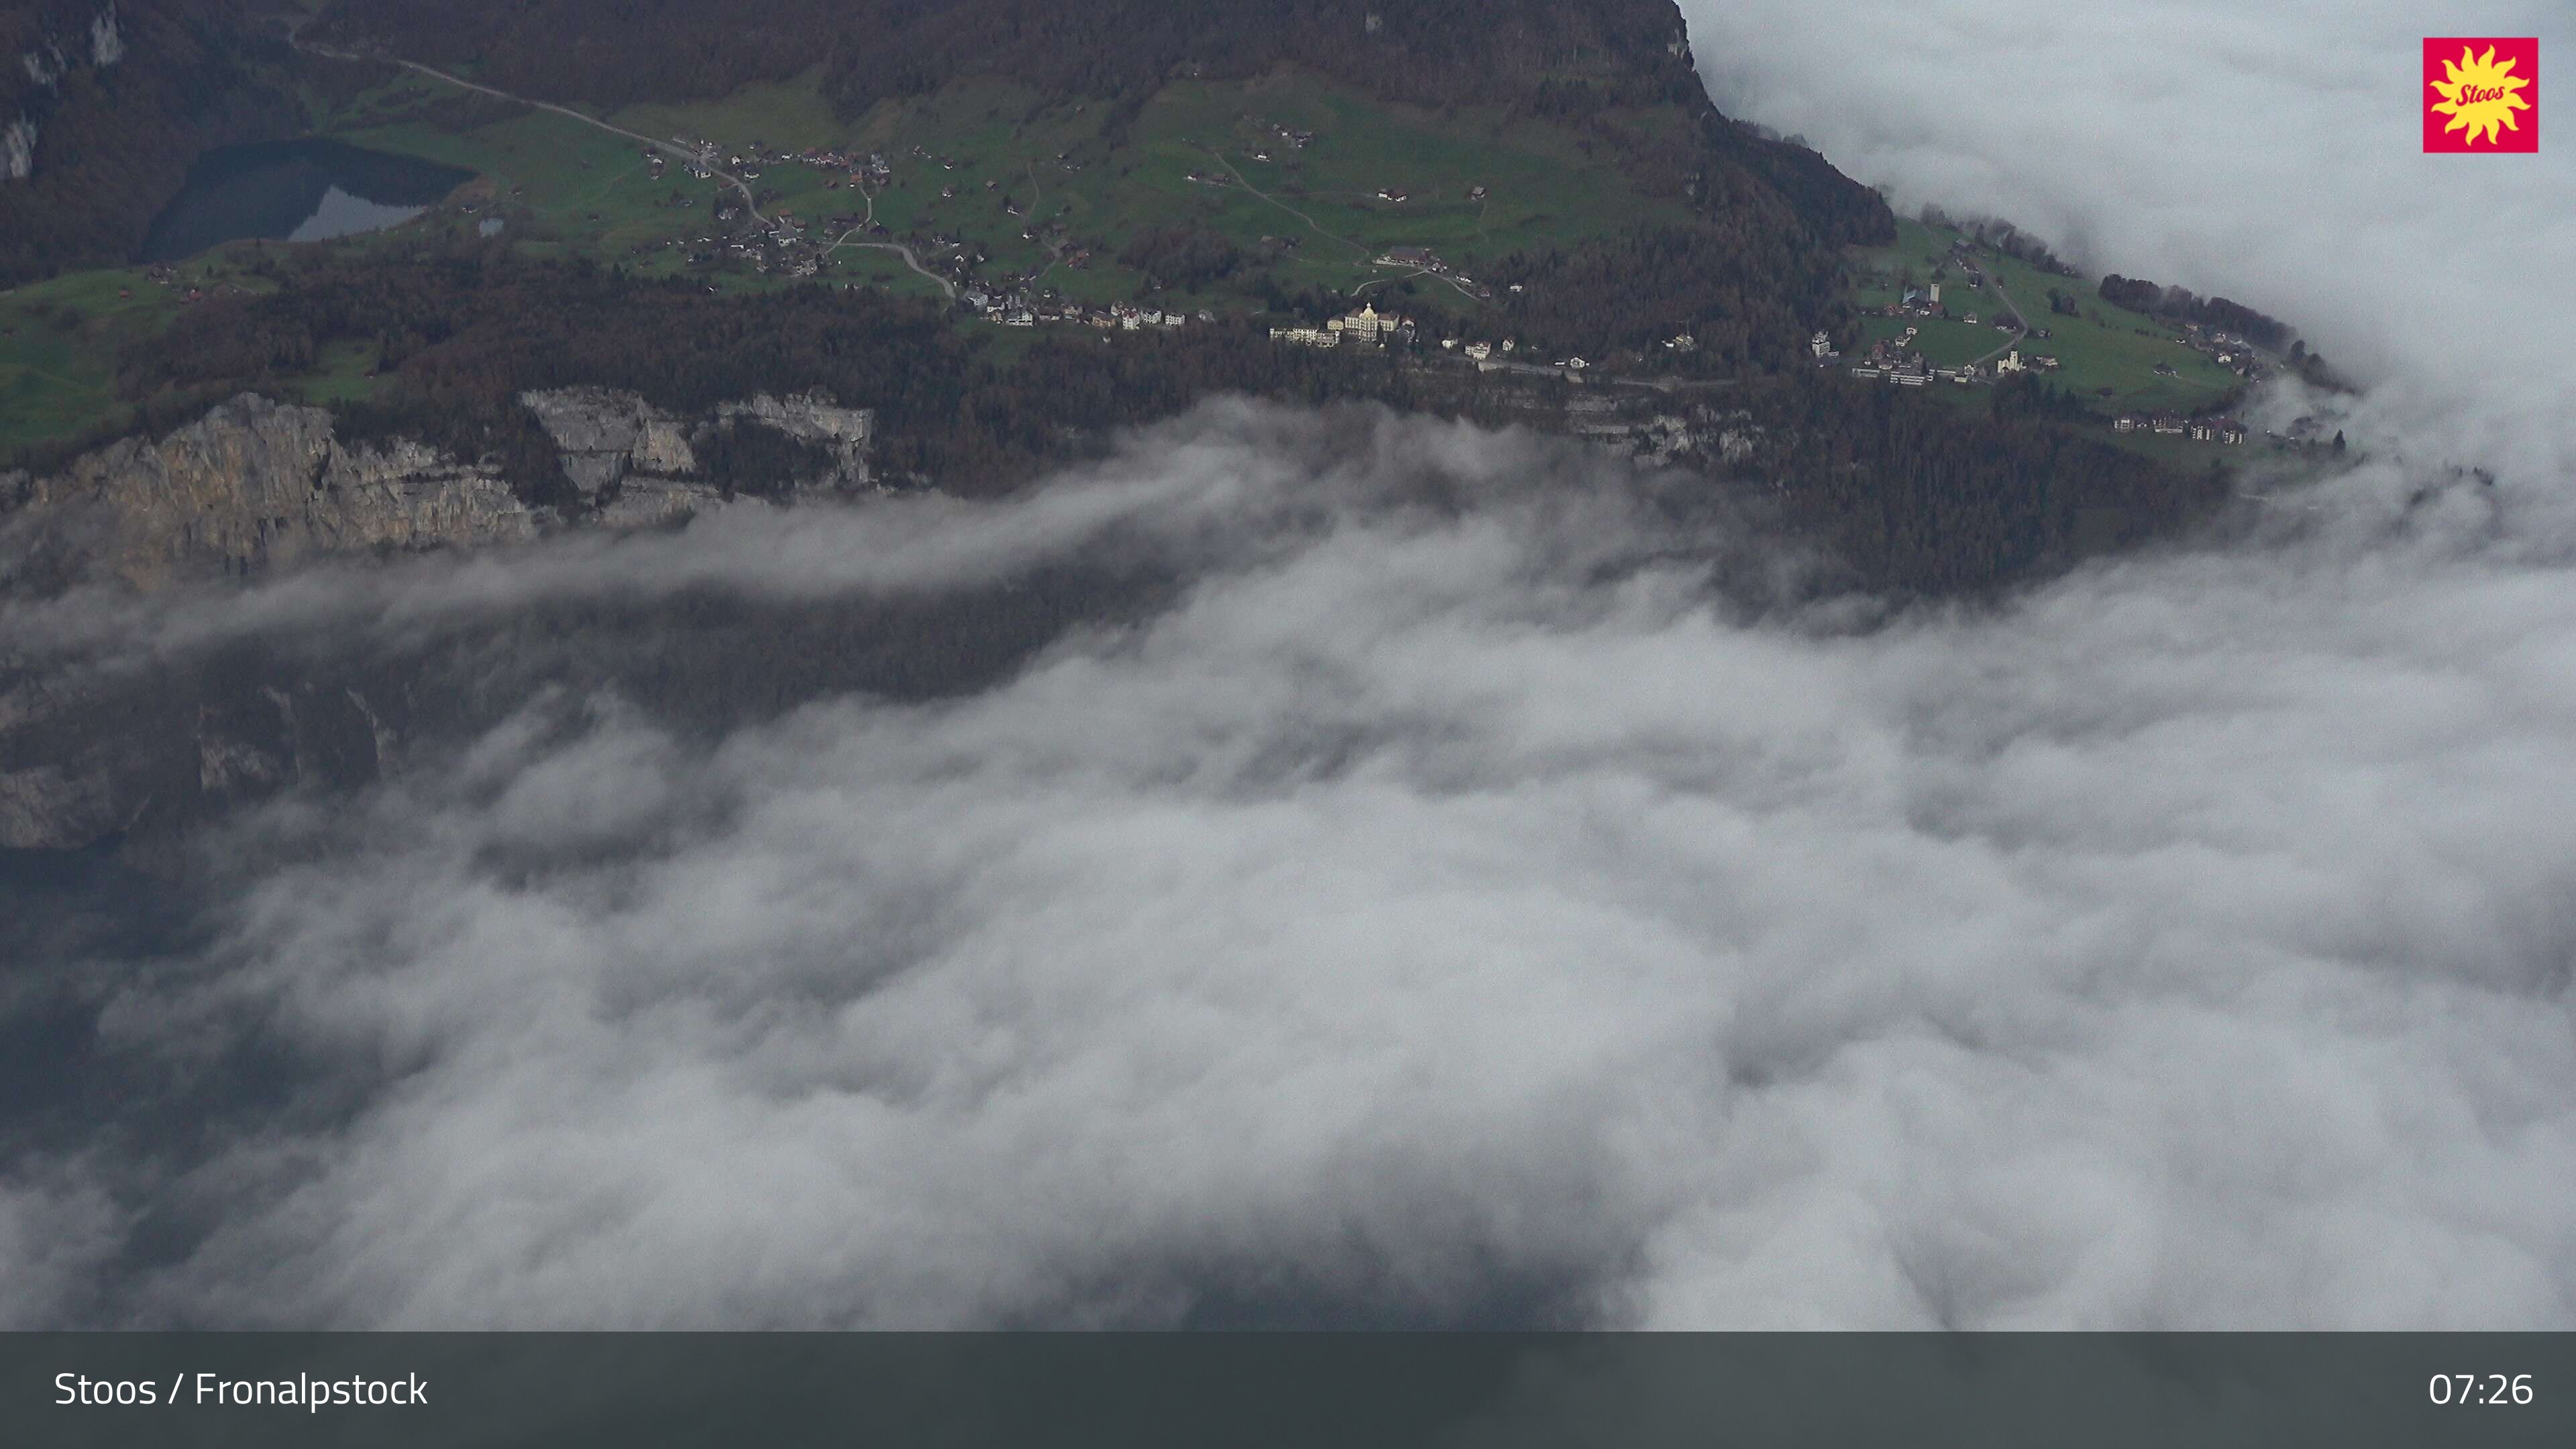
{"x":2230,"y":431}
{"x":2124,"y":423}
{"x":1480,"y":350}
{"x":1475,"y":193}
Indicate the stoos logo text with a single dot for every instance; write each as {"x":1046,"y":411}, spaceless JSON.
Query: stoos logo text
{"x":2481,"y":94}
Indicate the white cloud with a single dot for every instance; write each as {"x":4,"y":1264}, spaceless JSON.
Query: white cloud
{"x":2269,"y":153}
{"x":1438,"y":916}
{"x":1448,"y":909}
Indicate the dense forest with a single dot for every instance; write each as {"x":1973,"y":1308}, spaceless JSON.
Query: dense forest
{"x":1914,"y":493}
{"x":1433,"y":51}
{"x":1918,"y":497}
{"x":2183,"y":305}
{"x":115,"y":102}
{"x":458,"y":336}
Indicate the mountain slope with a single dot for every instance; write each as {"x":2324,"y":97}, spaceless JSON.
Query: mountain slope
{"x":102,"y":109}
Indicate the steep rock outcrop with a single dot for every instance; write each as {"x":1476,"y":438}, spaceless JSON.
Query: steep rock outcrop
{"x":814,"y":418}
{"x":255,"y":484}
{"x":605,"y":435}
{"x":613,"y":443}
{"x":251,"y":484}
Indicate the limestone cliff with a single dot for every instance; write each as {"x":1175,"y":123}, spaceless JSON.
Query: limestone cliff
{"x":639,"y":462}
{"x":604,"y":435}
{"x":251,"y":484}
{"x":811,"y":417}
{"x":256,"y":484}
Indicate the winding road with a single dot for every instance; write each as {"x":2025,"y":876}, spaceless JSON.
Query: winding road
{"x":696,"y":158}
{"x":1246,"y":182}
{"x":2019,"y":321}
{"x":899,"y":249}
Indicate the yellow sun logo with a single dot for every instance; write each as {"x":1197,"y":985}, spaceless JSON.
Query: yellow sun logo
{"x":2478,"y":94}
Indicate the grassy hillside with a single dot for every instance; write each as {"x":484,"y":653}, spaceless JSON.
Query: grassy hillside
{"x":1439,"y":52}
{"x":1236,"y":196}
{"x":970,"y":156}
{"x":2107,"y":355}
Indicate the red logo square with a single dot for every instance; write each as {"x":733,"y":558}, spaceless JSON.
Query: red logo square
{"x":2481,"y":93}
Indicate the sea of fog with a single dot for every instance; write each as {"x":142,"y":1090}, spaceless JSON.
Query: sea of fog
{"x":1444,"y":881}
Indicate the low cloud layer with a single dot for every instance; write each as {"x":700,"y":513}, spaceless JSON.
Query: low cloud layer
{"x":1435,"y":914}
{"x":1459,"y":886}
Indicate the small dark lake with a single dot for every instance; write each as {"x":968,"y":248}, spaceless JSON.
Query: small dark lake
{"x":294,"y":191}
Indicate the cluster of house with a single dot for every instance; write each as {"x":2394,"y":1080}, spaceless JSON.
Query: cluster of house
{"x":1366,"y":326}
{"x":2199,"y":430}
{"x":1894,"y":360}
{"x":1019,"y":310}
{"x":2226,"y":349}
{"x":168,"y":279}
{"x":1372,"y":328}
{"x":1424,"y":259}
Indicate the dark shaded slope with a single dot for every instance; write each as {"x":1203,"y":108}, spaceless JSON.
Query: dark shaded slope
{"x":117,"y":124}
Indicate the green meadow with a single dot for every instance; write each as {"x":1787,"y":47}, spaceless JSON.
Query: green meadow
{"x":2106,"y":353}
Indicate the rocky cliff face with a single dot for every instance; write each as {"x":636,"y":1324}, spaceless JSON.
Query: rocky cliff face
{"x":605,"y":435}
{"x":810,"y":417}
{"x":638,"y":464}
{"x":254,"y":484}
{"x":251,"y":484}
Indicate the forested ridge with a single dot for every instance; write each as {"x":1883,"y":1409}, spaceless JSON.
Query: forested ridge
{"x":1916,"y":495}
{"x":114,"y":136}
{"x":1431,"y":51}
